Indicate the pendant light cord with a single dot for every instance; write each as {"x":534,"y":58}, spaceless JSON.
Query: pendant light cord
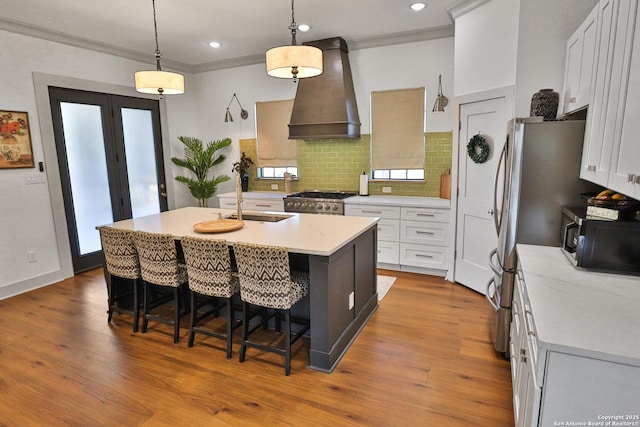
{"x":293,"y":27}
{"x":155,"y":29}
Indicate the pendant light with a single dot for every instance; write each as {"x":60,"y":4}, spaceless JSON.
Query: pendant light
{"x":294,"y":62}
{"x":441,"y":100}
{"x":157,"y":81}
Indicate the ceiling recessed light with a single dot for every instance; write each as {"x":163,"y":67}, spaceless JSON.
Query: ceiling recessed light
{"x":214,"y":45}
{"x":417,"y":6}
{"x":304,"y":27}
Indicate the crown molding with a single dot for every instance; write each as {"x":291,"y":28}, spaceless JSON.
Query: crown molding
{"x":463,"y":7}
{"x":365,"y":43}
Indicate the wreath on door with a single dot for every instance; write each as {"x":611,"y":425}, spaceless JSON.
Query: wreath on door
{"x":478,"y":149}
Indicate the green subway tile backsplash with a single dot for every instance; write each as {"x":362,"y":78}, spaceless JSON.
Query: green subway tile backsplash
{"x":336,"y":164}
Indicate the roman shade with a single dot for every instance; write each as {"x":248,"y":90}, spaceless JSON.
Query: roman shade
{"x":275,"y":149}
{"x":397,"y":129}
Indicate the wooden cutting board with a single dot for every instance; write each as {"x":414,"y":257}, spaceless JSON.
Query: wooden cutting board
{"x":445,"y":185}
{"x":218,"y":226}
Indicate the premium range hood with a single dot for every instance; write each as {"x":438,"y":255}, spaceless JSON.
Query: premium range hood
{"x":325,"y":105}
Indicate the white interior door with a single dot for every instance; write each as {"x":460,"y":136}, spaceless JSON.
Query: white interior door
{"x":476,"y":234}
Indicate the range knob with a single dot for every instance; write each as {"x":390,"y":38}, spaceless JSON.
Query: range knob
{"x":303,"y":205}
{"x":334,"y":207}
{"x":296,"y":205}
{"x":327,"y":207}
{"x":319,"y":206}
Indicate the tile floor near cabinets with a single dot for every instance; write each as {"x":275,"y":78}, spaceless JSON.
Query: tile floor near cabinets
{"x":425,"y":358}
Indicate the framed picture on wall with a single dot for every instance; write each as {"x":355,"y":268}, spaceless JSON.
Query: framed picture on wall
{"x":15,"y":140}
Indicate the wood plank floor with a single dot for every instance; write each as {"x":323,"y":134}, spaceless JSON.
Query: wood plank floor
{"x":424,"y":359}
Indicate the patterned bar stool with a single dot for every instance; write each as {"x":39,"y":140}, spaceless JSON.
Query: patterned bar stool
{"x":209,"y":270}
{"x":267,"y":281}
{"x":160,"y":267}
{"x":121,"y":261}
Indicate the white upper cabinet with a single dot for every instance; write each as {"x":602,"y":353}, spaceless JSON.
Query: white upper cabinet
{"x":624,"y":171}
{"x":614,"y":41}
{"x":579,"y":65}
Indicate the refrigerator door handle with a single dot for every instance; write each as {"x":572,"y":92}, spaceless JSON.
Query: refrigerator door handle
{"x":495,"y":267}
{"x":497,"y":221}
{"x":492,"y":297}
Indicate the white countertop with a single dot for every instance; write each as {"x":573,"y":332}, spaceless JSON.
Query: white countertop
{"x":427,"y":202}
{"x":302,"y":233}
{"x":581,"y":312}
{"x":256,"y":195}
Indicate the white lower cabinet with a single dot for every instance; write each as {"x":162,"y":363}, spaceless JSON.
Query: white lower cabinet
{"x":552,"y":387}
{"x":412,"y":238}
{"x":253,"y":202}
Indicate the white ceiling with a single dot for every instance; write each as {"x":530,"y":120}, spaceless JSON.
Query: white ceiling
{"x":246,"y":28}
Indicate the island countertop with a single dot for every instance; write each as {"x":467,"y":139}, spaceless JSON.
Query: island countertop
{"x":301,"y":233}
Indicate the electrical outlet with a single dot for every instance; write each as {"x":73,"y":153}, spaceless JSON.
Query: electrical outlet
{"x":386,"y":189}
{"x":351,"y":300}
{"x":274,"y":186}
{"x":31,"y":256}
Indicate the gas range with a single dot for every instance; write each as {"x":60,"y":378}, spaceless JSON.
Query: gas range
{"x":317,"y":201}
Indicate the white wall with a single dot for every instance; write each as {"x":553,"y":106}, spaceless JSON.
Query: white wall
{"x":30,"y":215}
{"x":400,"y":66}
{"x":486,"y":42}
{"x":545,"y":26}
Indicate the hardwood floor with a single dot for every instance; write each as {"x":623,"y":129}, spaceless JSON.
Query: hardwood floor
{"x":424,"y":359}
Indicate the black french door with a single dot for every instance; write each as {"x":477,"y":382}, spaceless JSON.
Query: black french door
{"x":111,"y":165}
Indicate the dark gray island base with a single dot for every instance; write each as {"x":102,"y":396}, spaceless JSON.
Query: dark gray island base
{"x":334,"y":326}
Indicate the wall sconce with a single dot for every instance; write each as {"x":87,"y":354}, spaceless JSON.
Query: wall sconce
{"x":441,"y":100}
{"x":243,"y":113}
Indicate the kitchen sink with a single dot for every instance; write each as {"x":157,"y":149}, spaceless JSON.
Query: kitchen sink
{"x":261,"y":217}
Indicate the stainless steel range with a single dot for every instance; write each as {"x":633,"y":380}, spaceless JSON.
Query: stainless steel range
{"x":317,"y":201}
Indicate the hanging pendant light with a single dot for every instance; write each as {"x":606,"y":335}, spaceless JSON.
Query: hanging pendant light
{"x":294,"y":62}
{"x":441,"y":100}
{"x":157,"y":81}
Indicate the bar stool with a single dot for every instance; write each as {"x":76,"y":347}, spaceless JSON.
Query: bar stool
{"x":209,"y":270}
{"x":267,"y":281}
{"x":121,"y":261}
{"x":160,"y":267}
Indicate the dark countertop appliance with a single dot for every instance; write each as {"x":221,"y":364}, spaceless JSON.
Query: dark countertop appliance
{"x":317,"y":201}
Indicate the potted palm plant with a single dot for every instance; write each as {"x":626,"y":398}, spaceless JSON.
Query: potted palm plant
{"x":199,"y":160}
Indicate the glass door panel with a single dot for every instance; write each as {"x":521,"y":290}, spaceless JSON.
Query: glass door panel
{"x":137,"y":127}
{"x":87,"y":164}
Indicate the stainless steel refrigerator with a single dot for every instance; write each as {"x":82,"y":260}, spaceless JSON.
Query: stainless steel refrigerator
{"x":538,"y":173}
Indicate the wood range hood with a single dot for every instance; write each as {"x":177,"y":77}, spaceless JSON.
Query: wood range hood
{"x":325,"y":106}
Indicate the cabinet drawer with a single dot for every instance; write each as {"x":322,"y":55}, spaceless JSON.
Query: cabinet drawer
{"x":425,"y":214}
{"x":389,"y":230}
{"x":263,"y":205}
{"x":425,"y":233}
{"x":389,"y":252}
{"x":388,"y":212}
{"x":424,"y":256}
{"x":226,"y":203}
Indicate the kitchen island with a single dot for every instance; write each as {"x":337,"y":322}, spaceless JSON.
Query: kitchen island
{"x":338,"y":252}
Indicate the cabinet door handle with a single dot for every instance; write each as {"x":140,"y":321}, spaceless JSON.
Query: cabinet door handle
{"x":631,"y":177}
{"x":425,"y":232}
{"x":262,"y":205}
{"x":425,"y":214}
{"x":424,"y":256}
{"x":572,"y":99}
{"x":591,"y":168}
{"x":372,"y":212}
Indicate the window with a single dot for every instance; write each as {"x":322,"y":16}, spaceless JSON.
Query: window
{"x":400,"y":174}
{"x":397,"y":134}
{"x":275,"y":149}
{"x":277,"y":173}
